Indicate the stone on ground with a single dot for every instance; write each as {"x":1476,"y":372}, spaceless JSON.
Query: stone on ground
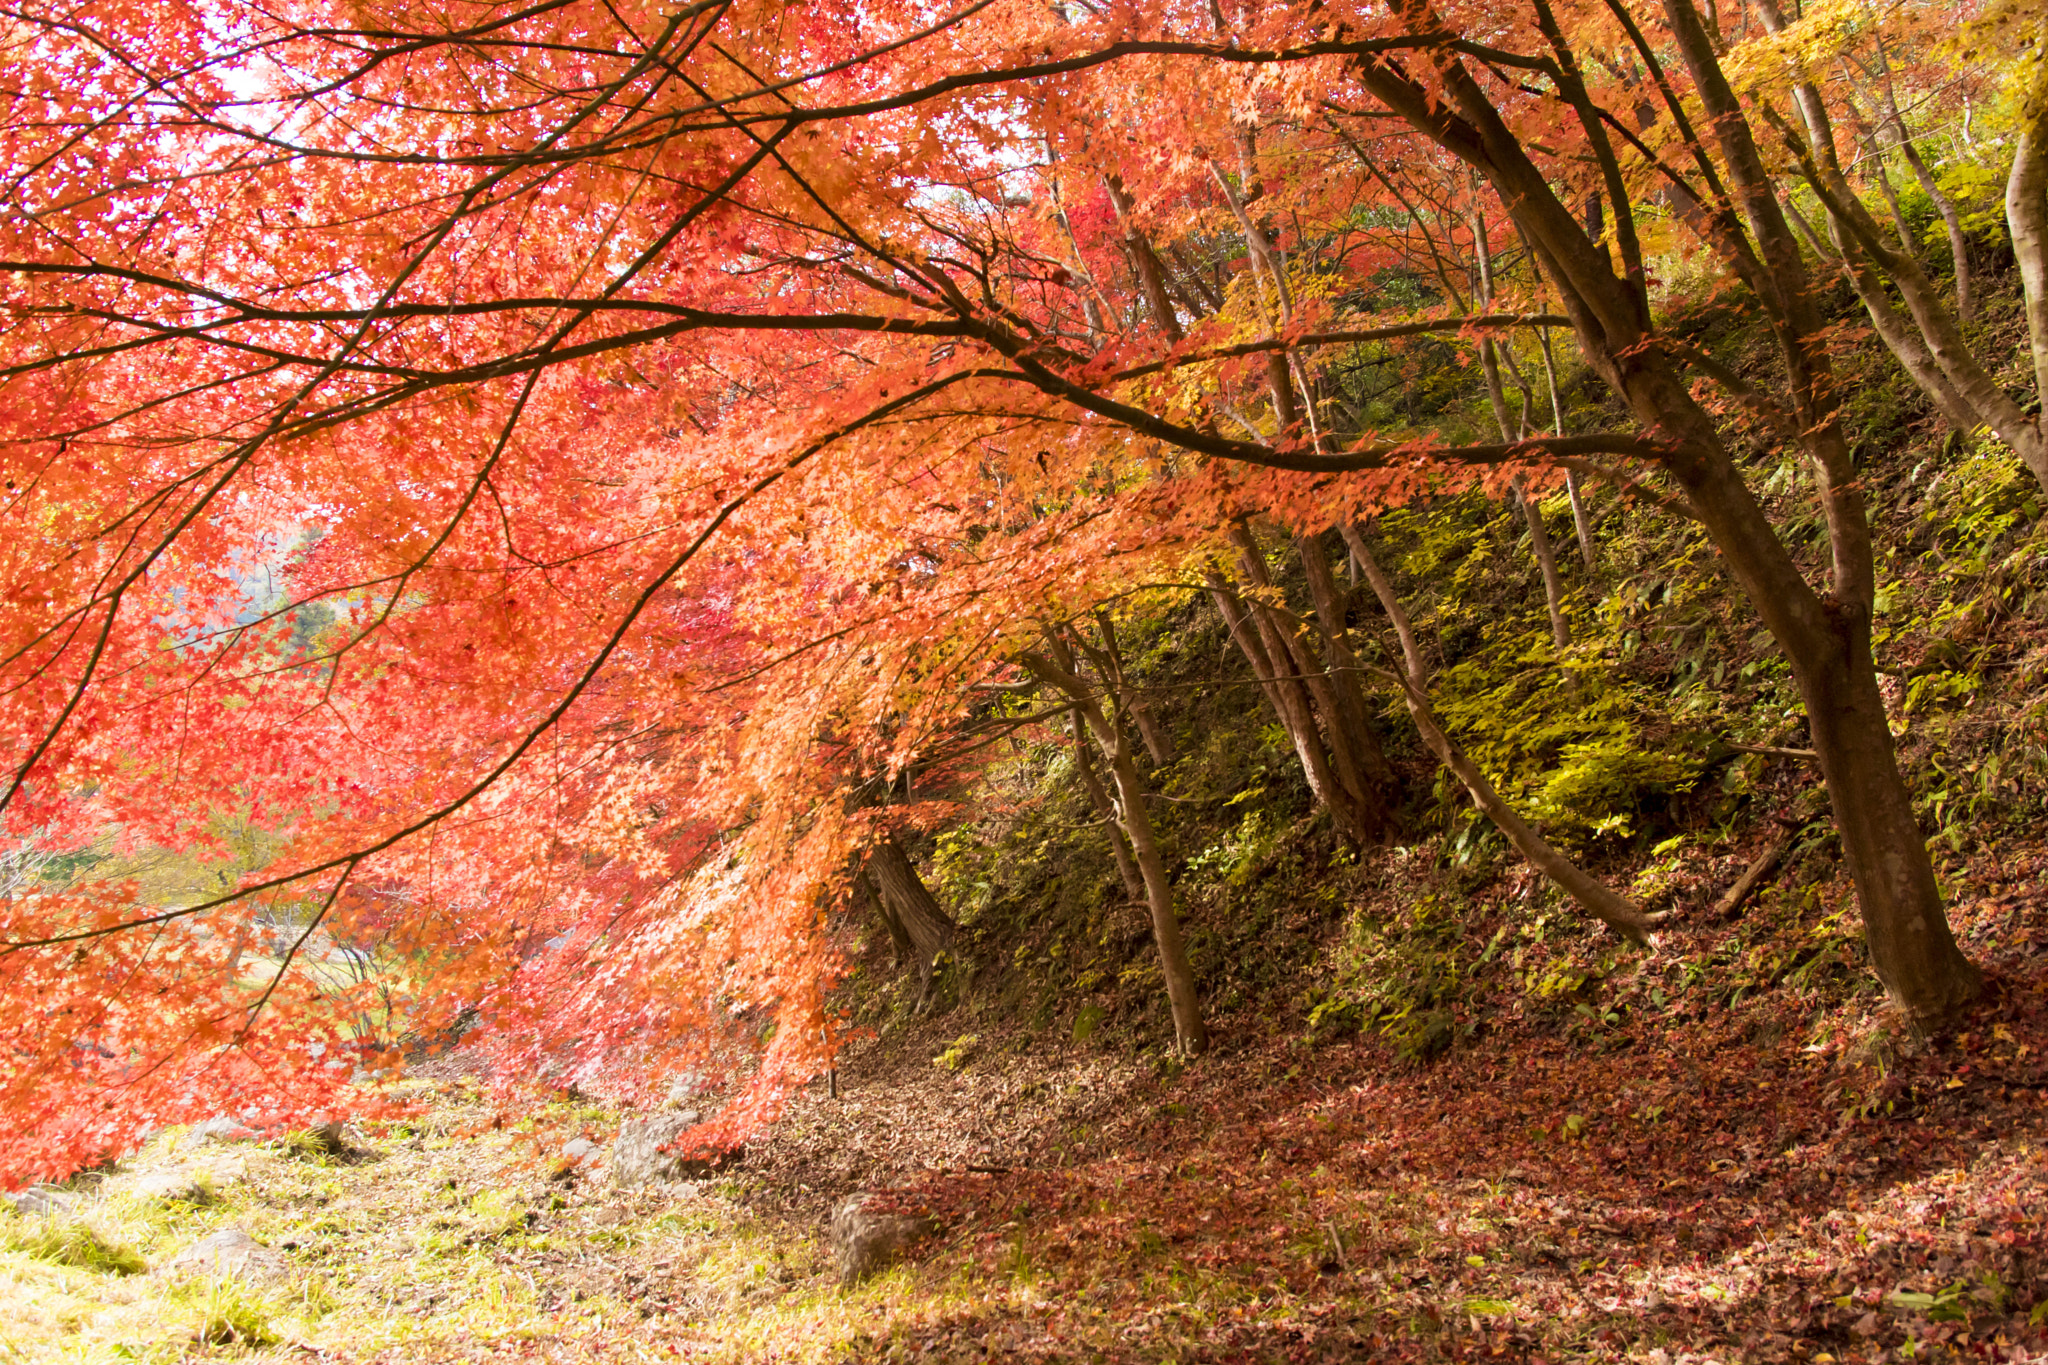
{"x":231,"y":1251}
{"x":868,"y":1236}
{"x":641,"y":1155}
{"x":44,"y":1200}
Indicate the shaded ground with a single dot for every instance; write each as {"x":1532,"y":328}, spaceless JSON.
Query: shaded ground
{"x":1767,"y":1180}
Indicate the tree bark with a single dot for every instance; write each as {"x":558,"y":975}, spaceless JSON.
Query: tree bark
{"x":1546,"y":564}
{"x":1355,"y":796}
{"x":1156,"y":747}
{"x":1581,"y":524}
{"x":1379,"y":787}
{"x":1825,"y":637}
{"x":1931,"y":346}
{"x":1056,"y":669}
{"x":1489,"y":364}
{"x":1285,"y":690}
{"x":1144,"y":262}
{"x":871,"y":900}
{"x":1595,"y":896}
{"x":931,"y":930}
{"x":1134,"y":881}
{"x":1951,"y":219}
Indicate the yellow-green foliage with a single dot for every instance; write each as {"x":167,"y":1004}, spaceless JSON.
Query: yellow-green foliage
{"x":72,"y":1242}
{"x":227,"y":1312}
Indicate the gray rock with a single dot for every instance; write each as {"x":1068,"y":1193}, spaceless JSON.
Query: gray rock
{"x":639,"y":1158}
{"x":331,"y":1135}
{"x":175,"y":1184}
{"x":223,"y":1128}
{"x":44,"y":1201}
{"x":581,"y":1152}
{"x":231,"y":1251}
{"x":868,"y":1236}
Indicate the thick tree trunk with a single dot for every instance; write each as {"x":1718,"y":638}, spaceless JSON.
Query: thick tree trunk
{"x":1825,"y":639}
{"x":871,"y":900}
{"x":932,"y":931}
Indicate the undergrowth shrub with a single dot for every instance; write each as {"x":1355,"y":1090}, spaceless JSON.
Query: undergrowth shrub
{"x":74,"y":1243}
{"x":228,"y":1312}
{"x":1403,"y":977}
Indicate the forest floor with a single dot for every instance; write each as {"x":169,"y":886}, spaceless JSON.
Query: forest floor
{"x":1696,"y":1178}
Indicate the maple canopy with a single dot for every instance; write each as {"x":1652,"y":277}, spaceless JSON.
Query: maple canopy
{"x":540,"y":464}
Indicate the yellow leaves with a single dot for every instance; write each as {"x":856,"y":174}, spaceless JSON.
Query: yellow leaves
{"x":1773,"y":63}
{"x":2000,"y":30}
{"x":2013,"y":34}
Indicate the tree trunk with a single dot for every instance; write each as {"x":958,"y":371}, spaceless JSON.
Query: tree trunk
{"x":1580,"y":523}
{"x":1825,"y":639}
{"x":1379,"y":787}
{"x":1489,"y":364}
{"x":871,"y":900}
{"x":1595,"y":896}
{"x":1951,"y":220}
{"x":1356,"y":797}
{"x":1144,"y":261}
{"x":1286,"y":691}
{"x":1931,"y":346}
{"x":931,"y":930}
{"x":1057,"y":671}
{"x":1141,"y":716}
{"x":1546,"y":564}
{"x":1134,"y":882}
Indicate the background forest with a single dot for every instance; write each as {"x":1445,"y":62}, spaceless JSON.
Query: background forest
{"x":1303,"y":682}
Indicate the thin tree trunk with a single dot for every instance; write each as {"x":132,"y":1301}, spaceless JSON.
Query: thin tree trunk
{"x":1358,"y":802}
{"x":1597,"y":898}
{"x":1141,"y":715}
{"x":1580,"y":523}
{"x":1951,"y":220}
{"x":1057,"y":671}
{"x":1134,"y":881}
{"x":1378,"y":783}
{"x":1510,"y":431}
{"x":1144,"y":261}
{"x":1286,"y":690}
{"x":1932,"y":348}
{"x":1546,"y":562}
